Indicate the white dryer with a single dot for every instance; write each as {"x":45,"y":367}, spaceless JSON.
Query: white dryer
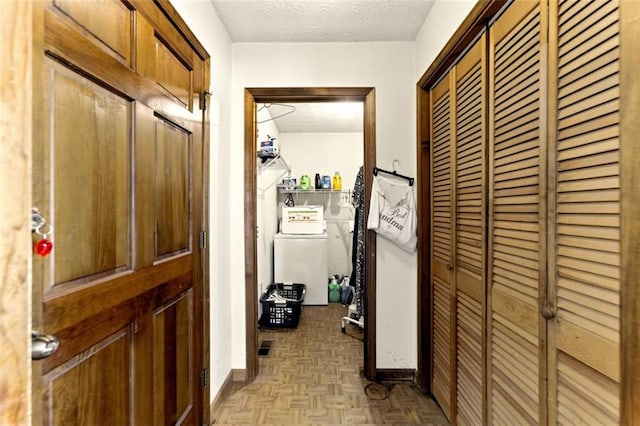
{"x":303,"y":259}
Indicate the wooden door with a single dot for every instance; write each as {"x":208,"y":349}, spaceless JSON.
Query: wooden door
{"x":584,"y":294}
{"x":443,"y":373}
{"x":469,"y":231}
{"x":517,"y":242}
{"x":117,"y":172}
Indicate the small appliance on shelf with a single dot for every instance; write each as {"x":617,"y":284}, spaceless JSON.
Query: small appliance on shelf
{"x":268,"y":148}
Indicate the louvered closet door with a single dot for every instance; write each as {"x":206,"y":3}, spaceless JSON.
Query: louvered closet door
{"x":441,"y":243}
{"x":516,"y":223}
{"x":469,"y":237}
{"x":584,"y":364}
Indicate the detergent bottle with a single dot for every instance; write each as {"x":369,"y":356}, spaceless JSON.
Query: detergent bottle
{"x":337,"y":182}
{"x":334,"y":291}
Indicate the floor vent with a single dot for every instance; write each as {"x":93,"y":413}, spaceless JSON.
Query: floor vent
{"x":264,"y":348}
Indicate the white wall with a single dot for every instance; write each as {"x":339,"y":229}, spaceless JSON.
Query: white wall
{"x":443,"y":20}
{"x":393,"y":69}
{"x":389,"y":67}
{"x":325,"y":153}
{"x":205,"y":24}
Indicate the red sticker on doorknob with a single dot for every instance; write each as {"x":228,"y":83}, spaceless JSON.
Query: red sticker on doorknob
{"x":43,"y":247}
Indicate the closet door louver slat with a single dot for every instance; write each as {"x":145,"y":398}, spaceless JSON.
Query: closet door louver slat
{"x":441,"y":244}
{"x":586,"y":280}
{"x":469,"y":235}
{"x":516,"y":232}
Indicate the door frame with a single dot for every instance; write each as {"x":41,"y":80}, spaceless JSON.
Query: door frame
{"x":253,"y":96}
{"x":21,"y":33}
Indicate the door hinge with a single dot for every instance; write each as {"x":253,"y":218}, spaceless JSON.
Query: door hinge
{"x":203,"y":240}
{"x":204,"y":378}
{"x":203,"y":100}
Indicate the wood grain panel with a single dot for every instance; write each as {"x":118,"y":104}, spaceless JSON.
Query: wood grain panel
{"x":516,"y":159}
{"x":470,"y":238}
{"x":515,"y":366}
{"x":91,"y":136}
{"x":20,"y":33}
{"x":584,"y":395}
{"x":587,"y":213}
{"x":470,"y":348}
{"x":172,"y":188}
{"x":441,"y":178}
{"x":144,"y":186}
{"x":443,"y":290}
{"x":107,"y":22}
{"x":442,"y":344}
{"x":173,"y":343}
{"x":94,"y":387}
{"x":173,"y":73}
{"x":468,"y":284}
{"x":629,"y":202}
{"x":602,"y":354}
{"x":469,"y":166}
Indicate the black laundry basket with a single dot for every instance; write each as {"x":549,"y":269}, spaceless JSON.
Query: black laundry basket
{"x":284,"y":313}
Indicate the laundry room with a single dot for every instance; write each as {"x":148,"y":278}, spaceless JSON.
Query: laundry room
{"x":308,"y":159}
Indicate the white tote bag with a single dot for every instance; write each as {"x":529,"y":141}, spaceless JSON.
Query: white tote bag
{"x":392,"y":212}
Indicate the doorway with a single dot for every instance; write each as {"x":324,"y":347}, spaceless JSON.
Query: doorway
{"x":253,"y":97}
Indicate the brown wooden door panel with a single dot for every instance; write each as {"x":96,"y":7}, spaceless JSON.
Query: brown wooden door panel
{"x":94,"y":387}
{"x":516,"y":229}
{"x":584,"y":360}
{"x":90,"y":133}
{"x":172,"y":189}
{"x":173,"y":363}
{"x":107,"y":23}
{"x":442,"y":245}
{"x":470,"y":218}
{"x":118,"y":173}
{"x":172,"y":73}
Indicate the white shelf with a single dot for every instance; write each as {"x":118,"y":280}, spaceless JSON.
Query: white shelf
{"x":284,"y":190}
{"x":275,"y":163}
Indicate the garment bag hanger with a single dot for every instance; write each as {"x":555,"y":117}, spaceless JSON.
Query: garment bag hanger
{"x":268,"y":105}
{"x":377,"y":170}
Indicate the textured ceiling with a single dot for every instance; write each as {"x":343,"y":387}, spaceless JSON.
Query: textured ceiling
{"x":320,"y":117}
{"x":322,"y":20}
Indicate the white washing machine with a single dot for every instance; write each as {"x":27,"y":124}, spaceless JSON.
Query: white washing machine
{"x":303,"y":259}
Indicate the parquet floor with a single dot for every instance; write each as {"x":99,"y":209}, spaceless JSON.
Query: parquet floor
{"x":312,"y":375}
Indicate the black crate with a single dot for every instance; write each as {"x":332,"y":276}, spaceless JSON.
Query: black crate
{"x":282,"y":314}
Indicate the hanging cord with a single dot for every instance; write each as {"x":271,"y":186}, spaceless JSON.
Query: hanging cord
{"x":378,"y":391}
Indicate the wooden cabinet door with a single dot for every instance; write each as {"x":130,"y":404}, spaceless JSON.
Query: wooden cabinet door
{"x":584,"y":343}
{"x":443,"y":375}
{"x":469,"y":231}
{"x":516,"y":224}
{"x":117,"y":172}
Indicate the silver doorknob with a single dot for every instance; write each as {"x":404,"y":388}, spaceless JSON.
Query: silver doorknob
{"x":43,"y":345}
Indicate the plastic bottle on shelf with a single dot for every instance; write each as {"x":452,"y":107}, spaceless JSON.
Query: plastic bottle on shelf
{"x":326,"y":182}
{"x":337,"y":182}
{"x":318,"y":181}
{"x":334,"y":291}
